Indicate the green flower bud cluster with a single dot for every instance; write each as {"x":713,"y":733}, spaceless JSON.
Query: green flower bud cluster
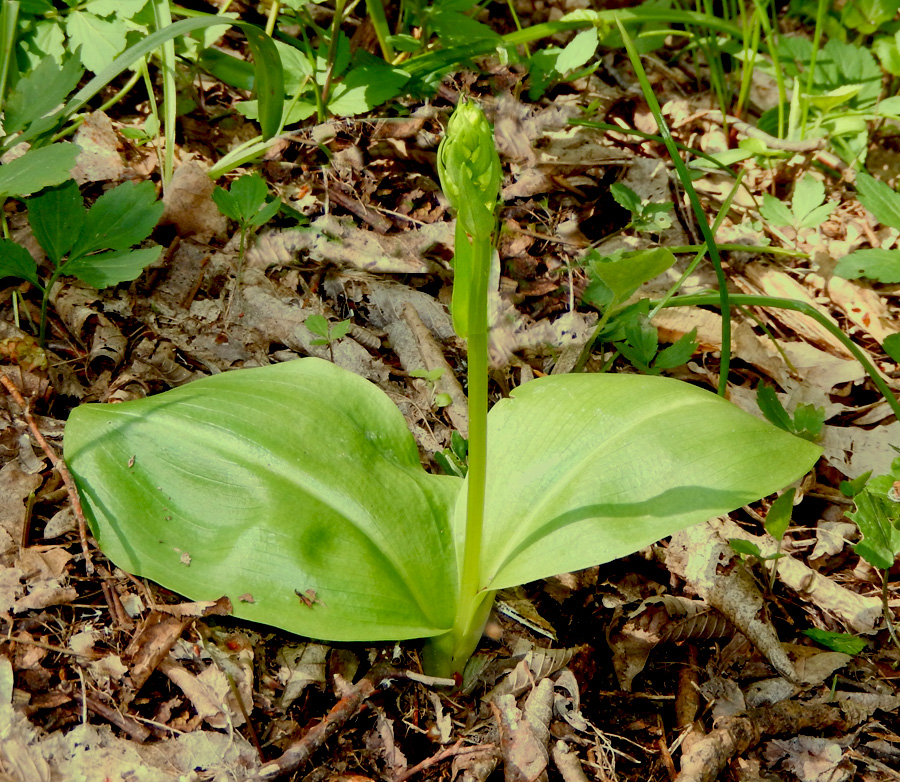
{"x":469,"y":168}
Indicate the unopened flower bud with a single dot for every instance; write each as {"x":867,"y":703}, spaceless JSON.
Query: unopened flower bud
{"x":469,"y":168}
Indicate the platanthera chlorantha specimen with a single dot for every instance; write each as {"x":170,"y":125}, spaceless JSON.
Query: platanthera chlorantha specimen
{"x":303,"y":476}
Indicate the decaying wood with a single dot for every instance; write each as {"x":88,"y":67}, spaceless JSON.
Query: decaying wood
{"x":733,"y":736}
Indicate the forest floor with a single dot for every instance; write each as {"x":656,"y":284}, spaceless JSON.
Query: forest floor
{"x":112,"y":677}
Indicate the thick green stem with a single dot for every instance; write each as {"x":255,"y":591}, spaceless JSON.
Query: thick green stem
{"x":478,"y":407}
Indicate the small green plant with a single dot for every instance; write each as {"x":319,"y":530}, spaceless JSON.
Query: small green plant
{"x":807,"y":209}
{"x":75,"y":238}
{"x":877,"y":515}
{"x":837,"y":642}
{"x":453,"y":460}
{"x":882,"y":265}
{"x":304,"y":476}
{"x":778,"y":519}
{"x":328,"y":332}
{"x":246,"y":204}
{"x":807,"y":421}
{"x":431,"y":377}
{"x":646,"y":217}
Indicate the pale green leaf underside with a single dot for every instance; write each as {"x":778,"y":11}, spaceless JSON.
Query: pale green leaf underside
{"x":292,"y":477}
{"x":584,"y":469}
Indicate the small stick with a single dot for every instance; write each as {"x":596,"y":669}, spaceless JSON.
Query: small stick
{"x":446,"y":752}
{"x":59,"y":465}
{"x":301,"y":751}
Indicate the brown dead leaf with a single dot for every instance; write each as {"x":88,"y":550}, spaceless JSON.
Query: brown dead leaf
{"x":99,"y":159}
{"x":701,"y":555}
{"x":15,"y":486}
{"x":189,"y":205}
{"x":524,"y":756}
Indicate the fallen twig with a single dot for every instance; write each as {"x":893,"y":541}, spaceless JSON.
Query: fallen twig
{"x":59,"y":465}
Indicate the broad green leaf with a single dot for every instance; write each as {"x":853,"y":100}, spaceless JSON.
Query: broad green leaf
{"x":340,"y":329}
{"x":100,"y":40}
{"x":837,"y":642}
{"x":317,"y":324}
{"x":366,"y":86}
{"x":587,"y":468}
{"x":120,"y":218}
{"x":263,"y":483}
{"x":778,"y":519}
{"x":37,"y":169}
{"x":809,"y":193}
{"x":891,"y":346}
{"x":249,"y":192}
{"x":809,"y":420}
{"x":868,"y":15}
{"x":887,"y":47}
{"x":227,"y":204}
{"x":105,"y":269}
{"x":771,"y":407}
{"x":266,"y":213}
{"x":677,"y":353}
{"x":625,"y":197}
{"x":745,"y":547}
{"x":40,"y":92}
{"x":876,"y":515}
{"x":269,"y":74}
{"x":16,"y":261}
{"x":626,"y":274}
{"x":882,"y":201}
{"x":874,"y":264}
{"x":890,"y":107}
{"x":775,"y":212}
{"x":57,"y":216}
{"x":817,"y":216}
{"x":123,"y":9}
{"x":578,"y":51}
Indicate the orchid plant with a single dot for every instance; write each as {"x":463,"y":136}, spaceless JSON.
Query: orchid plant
{"x":274,"y":483}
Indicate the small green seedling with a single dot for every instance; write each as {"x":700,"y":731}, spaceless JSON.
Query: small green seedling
{"x":877,"y":515}
{"x":74,"y":237}
{"x":807,"y":421}
{"x":453,"y":460}
{"x":431,"y":377}
{"x":639,"y":342}
{"x":145,"y":134}
{"x":778,"y":519}
{"x":329,"y":332}
{"x":807,"y":209}
{"x":646,"y":217}
{"x":303,"y":475}
{"x":246,"y":204}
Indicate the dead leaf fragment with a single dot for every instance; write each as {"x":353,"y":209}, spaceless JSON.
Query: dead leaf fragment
{"x":189,"y":205}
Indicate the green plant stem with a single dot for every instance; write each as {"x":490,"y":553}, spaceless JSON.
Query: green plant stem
{"x":821,"y":10}
{"x":45,"y":305}
{"x":274,"y":10}
{"x":742,"y":248}
{"x":9,"y":14}
{"x":886,"y":609}
{"x":712,"y":300}
{"x":380,"y":25}
{"x":332,"y":53}
{"x":470,"y":611}
{"x":162,"y":18}
{"x":684,"y":176}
